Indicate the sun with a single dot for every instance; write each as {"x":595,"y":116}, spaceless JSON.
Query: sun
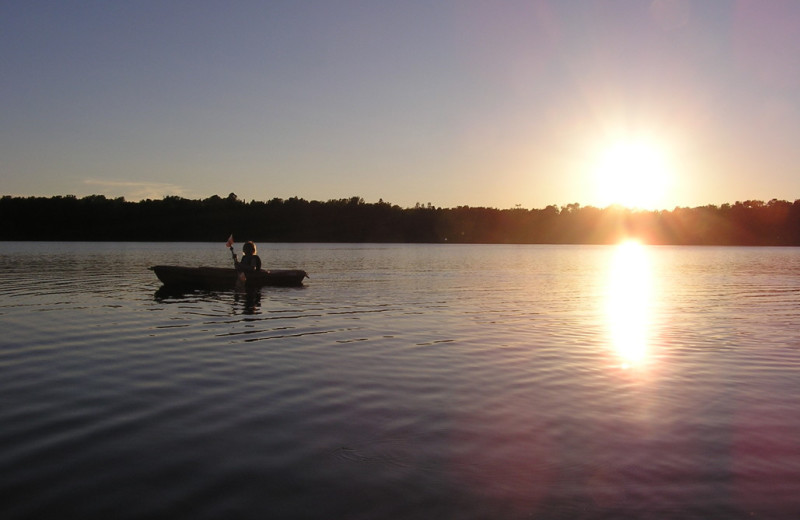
{"x":633,"y":173}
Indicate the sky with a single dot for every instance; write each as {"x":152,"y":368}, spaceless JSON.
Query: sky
{"x":652,"y":104}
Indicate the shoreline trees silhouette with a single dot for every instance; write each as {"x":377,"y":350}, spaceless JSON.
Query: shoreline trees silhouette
{"x":98,"y":218}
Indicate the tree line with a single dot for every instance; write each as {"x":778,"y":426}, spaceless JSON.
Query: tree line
{"x":97,"y":218}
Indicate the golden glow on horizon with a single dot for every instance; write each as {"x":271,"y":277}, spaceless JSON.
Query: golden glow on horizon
{"x":629,"y":302}
{"x":633,"y":173}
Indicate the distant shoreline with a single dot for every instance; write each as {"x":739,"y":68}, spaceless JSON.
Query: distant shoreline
{"x":174,"y":219}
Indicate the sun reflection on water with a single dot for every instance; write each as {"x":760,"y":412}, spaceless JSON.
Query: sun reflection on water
{"x":629,"y":303}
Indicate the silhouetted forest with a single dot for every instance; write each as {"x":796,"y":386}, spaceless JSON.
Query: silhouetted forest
{"x":97,"y":218}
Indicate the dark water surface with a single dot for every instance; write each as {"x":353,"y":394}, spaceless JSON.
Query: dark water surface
{"x":403,"y":381}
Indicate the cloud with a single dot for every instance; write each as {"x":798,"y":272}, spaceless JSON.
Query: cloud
{"x":134,"y":190}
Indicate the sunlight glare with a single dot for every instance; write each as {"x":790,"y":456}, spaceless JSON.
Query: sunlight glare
{"x":629,"y":302}
{"x":634,"y":174}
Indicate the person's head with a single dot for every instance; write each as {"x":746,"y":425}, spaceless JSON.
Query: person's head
{"x":249,"y":248}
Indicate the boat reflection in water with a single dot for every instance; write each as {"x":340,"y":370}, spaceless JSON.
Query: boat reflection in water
{"x":629,"y":303}
{"x":244,"y":300}
{"x":251,"y":299}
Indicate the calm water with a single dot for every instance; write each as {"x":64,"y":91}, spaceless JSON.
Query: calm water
{"x":403,"y":381}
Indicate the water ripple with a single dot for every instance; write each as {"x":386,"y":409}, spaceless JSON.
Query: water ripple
{"x":402,"y":382}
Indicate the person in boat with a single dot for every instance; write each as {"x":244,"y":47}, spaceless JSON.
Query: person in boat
{"x":250,"y":260}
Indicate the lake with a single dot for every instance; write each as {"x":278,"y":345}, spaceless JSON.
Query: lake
{"x":402,"y":381}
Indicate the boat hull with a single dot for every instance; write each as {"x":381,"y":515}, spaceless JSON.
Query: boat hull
{"x":221,"y":277}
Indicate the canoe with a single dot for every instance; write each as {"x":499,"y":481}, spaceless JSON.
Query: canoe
{"x":224,"y":277}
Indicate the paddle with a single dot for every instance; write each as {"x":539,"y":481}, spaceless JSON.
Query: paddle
{"x":229,"y":244}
